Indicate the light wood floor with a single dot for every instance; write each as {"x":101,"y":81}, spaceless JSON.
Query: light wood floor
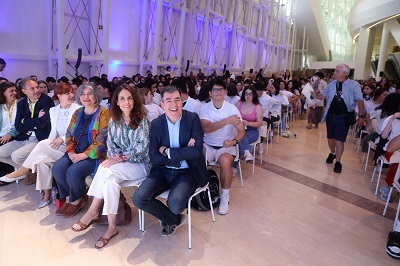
{"x":293,"y":211}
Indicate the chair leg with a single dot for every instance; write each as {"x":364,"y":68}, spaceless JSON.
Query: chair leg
{"x":396,"y":219}
{"x":209,"y":199}
{"x":140,"y":219}
{"x":366,"y":160}
{"x":379,"y":177}
{"x":240,"y":172}
{"x":387,"y":201}
{"x":373,"y":173}
{"x":190,"y":223}
{"x":254,"y":156}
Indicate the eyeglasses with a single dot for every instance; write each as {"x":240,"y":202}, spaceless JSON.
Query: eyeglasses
{"x":217,"y":90}
{"x":248,"y":94}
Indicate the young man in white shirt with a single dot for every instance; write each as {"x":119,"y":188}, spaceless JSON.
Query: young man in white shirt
{"x":219,"y":119}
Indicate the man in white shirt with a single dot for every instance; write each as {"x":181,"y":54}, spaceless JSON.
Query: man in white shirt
{"x":219,"y":119}
{"x":189,"y":104}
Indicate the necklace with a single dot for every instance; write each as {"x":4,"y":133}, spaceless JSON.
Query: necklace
{"x":10,"y":110}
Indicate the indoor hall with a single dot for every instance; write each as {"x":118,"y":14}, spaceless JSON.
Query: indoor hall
{"x":294,"y":210}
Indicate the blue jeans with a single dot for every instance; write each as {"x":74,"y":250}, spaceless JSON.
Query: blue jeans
{"x":70,"y":177}
{"x":160,"y":179}
{"x":250,"y":136}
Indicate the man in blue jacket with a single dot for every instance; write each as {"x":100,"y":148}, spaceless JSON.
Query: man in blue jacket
{"x":176,"y":153}
{"x":32,"y":123}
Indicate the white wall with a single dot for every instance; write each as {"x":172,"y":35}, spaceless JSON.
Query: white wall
{"x":23,"y":38}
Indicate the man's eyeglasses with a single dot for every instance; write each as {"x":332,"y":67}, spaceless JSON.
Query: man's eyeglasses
{"x":217,"y":90}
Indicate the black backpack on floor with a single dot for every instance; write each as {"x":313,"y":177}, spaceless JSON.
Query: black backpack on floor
{"x":200,"y":202}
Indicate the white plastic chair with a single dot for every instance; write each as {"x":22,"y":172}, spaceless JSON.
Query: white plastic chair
{"x":395,"y":158}
{"x":132,"y":184}
{"x":165,"y":195}
{"x":215,"y":163}
{"x":254,"y":146}
{"x":380,"y":161}
{"x":371,"y":147}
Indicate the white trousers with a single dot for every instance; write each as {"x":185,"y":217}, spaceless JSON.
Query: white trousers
{"x":15,"y":152}
{"x":41,"y":160}
{"x":106,"y":183}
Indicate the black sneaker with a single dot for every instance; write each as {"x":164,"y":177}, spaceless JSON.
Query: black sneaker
{"x":393,"y":245}
{"x":330,"y":158}
{"x":337,"y":168}
{"x":169,"y":230}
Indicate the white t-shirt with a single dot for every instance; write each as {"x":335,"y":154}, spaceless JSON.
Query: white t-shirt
{"x":212,"y":114}
{"x":282,"y":99}
{"x":192,"y":105}
{"x":269,"y":105}
{"x":157,"y":98}
{"x":153,"y":111}
{"x":376,"y":114}
{"x":370,"y":106}
{"x":395,"y":129}
{"x":233,"y":100}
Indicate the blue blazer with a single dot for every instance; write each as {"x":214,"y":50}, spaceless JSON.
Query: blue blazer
{"x":190,"y":127}
{"x":40,"y":125}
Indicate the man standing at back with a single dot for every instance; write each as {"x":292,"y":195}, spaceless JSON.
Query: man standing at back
{"x":32,"y":123}
{"x":341,"y":97}
{"x":176,"y":153}
{"x":219,"y":119}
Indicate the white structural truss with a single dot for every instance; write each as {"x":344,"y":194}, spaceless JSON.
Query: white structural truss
{"x":237,"y":35}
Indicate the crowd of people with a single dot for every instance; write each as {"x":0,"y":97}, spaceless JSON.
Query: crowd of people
{"x":153,"y":129}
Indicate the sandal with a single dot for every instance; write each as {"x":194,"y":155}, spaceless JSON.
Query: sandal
{"x":104,"y":241}
{"x":83,"y":226}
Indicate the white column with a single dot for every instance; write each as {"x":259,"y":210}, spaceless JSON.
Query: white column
{"x":154,"y":63}
{"x":143,"y":31}
{"x":106,"y":34}
{"x":60,"y":38}
{"x":383,"y":50}
{"x":181,"y":64}
{"x":363,"y":53}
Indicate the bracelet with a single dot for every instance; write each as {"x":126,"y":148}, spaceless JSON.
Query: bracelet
{"x":164,"y":153}
{"x":236,"y":141}
{"x":362,"y":116}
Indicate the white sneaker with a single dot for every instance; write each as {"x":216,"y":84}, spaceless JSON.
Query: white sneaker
{"x":223,"y":204}
{"x":248,"y":157}
{"x":260,"y":148}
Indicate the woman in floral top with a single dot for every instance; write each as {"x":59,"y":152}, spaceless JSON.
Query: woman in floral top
{"x":85,"y":144}
{"x":128,"y":159}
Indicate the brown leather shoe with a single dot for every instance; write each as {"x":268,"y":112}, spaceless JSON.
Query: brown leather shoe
{"x":62,"y":209}
{"x":72,"y":210}
{"x":31,"y":179}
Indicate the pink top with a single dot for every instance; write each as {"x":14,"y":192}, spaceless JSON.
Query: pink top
{"x":252,"y":117}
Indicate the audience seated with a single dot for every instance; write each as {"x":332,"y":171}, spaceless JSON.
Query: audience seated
{"x":33,"y":125}
{"x":85,"y":145}
{"x":50,"y":150}
{"x":252,"y":118}
{"x":176,"y":154}
{"x":127,"y":159}
{"x":8,"y":105}
{"x":219,"y":119}
{"x":153,"y":110}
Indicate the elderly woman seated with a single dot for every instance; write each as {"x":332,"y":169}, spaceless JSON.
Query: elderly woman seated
{"x":85,"y":145}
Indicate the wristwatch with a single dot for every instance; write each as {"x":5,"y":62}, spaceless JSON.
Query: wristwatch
{"x":361,"y":116}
